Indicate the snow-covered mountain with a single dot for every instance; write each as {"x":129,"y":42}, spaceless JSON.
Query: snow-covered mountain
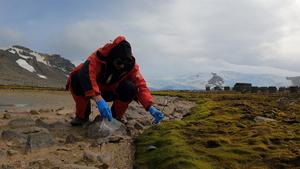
{"x":22,"y":66}
{"x":200,"y":80}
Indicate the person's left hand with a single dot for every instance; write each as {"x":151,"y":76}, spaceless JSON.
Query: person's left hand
{"x":158,"y":116}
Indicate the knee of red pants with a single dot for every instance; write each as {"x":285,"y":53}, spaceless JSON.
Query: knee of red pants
{"x":120,"y":108}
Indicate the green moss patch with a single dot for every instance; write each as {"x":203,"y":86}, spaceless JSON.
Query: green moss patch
{"x":220,"y":132}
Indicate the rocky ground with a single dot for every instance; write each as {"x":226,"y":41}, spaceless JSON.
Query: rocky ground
{"x":35,"y":132}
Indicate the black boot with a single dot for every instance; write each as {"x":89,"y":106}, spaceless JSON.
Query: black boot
{"x":79,"y":121}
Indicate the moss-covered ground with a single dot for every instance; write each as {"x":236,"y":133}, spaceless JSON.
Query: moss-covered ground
{"x":220,"y":132}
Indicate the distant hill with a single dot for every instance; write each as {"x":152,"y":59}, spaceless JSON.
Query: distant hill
{"x":198,"y":81}
{"x":22,"y":66}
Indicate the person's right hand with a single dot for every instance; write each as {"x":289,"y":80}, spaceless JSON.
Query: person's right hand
{"x":158,"y":116}
{"x":104,"y":109}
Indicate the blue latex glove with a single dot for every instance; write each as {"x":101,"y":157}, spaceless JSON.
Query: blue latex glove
{"x":158,"y":116}
{"x":104,"y":109}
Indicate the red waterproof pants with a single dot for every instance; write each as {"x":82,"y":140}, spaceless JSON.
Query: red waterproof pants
{"x":83,"y":106}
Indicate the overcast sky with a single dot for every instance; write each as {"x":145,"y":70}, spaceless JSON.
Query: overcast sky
{"x":168,"y":37}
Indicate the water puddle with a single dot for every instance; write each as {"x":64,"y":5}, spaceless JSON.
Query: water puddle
{"x":20,"y":105}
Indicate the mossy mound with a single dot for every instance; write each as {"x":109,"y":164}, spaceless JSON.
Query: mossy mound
{"x":221,"y":132}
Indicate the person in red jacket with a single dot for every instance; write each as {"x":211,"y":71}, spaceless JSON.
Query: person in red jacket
{"x":109,"y":74}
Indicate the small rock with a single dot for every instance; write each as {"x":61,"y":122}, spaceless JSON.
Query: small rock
{"x":59,"y":113}
{"x":115,"y":139}
{"x":166,"y":118}
{"x":177,"y":115}
{"x":41,"y":123}
{"x":104,"y":157}
{"x":20,"y":122}
{"x":59,"y":109}
{"x":71,"y":139}
{"x":133,"y":114}
{"x":34,"y":112}
{"x":9,"y":144}
{"x":39,"y":139}
{"x":89,"y":156}
{"x":130,"y":124}
{"x":33,"y":129}
{"x":12,"y":152}
{"x":263,"y":119}
{"x":138,"y":126}
{"x":241,"y":125}
{"x":39,"y":163}
{"x":76,"y":166}
{"x":13,"y":135}
{"x":146,"y":122}
{"x":82,"y":146}
{"x":180,"y":110}
{"x":63,"y":149}
{"x":2,"y":154}
{"x":246,"y":116}
{"x":103,"y":166}
{"x":6,"y":116}
{"x":44,"y":110}
{"x":59,"y":125}
{"x":99,"y":142}
{"x":151,"y":148}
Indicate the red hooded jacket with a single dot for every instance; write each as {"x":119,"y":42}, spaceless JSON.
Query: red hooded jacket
{"x":88,"y":73}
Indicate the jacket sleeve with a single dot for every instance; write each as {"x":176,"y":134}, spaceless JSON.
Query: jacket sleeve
{"x":144,"y":96}
{"x":88,"y":76}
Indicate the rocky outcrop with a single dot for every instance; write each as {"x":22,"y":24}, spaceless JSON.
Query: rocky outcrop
{"x":215,"y":81}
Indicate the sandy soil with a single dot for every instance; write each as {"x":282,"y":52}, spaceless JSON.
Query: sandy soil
{"x":42,"y":118}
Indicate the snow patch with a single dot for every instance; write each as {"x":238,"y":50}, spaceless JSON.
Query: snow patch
{"x":40,"y":58}
{"x":63,"y":69}
{"x":42,"y":76}
{"x":12,"y":51}
{"x":19,"y":53}
{"x":25,"y":65}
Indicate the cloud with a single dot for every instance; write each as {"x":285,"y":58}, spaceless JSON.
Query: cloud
{"x":172,"y":37}
{"x":254,"y":33}
{"x":9,"y":37}
{"x":83,"y":37}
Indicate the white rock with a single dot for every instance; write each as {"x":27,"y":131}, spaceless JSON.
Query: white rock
{"x":263,"y":119}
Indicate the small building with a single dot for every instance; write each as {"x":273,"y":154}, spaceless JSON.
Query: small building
{"x":294,"y":89}
{"x":282,"y":89}
{"x":242,"y":87}
{"x":217,"y":88}
{"x":226,"y":88}
{"x":207,"y":88}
